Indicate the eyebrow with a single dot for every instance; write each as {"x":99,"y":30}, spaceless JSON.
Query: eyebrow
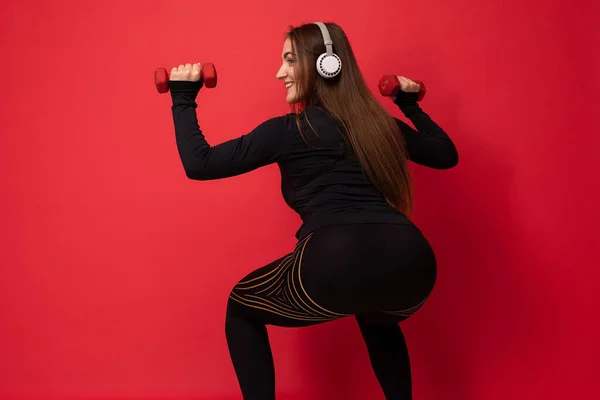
{"x":286,"y":53}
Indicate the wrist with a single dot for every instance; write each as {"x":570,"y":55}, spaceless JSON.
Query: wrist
{"x":184,"y":86}
{"x":406,"y":98}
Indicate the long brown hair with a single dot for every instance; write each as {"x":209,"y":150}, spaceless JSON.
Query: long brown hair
{"x":370,"y":129}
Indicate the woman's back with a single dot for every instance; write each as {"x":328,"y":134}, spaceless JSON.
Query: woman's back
{"x":323,"y":180}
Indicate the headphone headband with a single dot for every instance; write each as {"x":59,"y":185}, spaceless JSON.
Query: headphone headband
{"x":326,"y":37}
{"x":328,"y":63}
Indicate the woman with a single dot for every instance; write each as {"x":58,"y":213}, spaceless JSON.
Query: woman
{"x":343,"y":167}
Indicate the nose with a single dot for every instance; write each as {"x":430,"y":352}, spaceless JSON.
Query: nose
{"x":281,"y":73}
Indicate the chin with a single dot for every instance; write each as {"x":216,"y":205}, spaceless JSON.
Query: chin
{"x":293,"y":99}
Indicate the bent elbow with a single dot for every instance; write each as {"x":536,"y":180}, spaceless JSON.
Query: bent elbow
{"x":196,"y":168}
{"x":450,"y":159}
{"x":190,"y":175}
{"x":206,"y":173}
{"x":194,"y":174}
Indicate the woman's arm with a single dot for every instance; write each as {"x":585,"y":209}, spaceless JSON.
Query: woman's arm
{"x":428,"y":145}
{"x":264,"y":145}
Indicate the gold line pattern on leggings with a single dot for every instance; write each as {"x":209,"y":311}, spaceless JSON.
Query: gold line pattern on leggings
{"x":409,"y":311}
{"x":280,"y":291}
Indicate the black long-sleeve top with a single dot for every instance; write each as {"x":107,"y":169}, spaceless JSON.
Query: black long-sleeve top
{"x":321,"y":182}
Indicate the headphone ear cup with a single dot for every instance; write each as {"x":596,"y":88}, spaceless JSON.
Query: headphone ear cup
{"x":329,"y":66}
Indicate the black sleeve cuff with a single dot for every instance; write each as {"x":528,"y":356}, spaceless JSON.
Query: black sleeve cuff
{"x":406,"y":98}
{"x":184,"y":86}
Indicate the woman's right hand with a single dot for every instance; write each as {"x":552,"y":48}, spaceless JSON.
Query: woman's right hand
{"x":187,"y":72}
{"x":406,"y":85}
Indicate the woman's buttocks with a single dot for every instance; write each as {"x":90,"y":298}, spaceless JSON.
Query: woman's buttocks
{"x":378,"y":262}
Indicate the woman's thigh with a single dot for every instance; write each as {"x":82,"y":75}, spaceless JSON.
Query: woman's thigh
{"x":274,"y":294}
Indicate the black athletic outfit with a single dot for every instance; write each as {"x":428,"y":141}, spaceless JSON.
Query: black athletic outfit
{"x":355,"y":255}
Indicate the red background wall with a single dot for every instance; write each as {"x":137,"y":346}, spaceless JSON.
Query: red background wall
{"x":116,"y":268}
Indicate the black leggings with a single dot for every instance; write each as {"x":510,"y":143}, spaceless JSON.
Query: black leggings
{"x":379,"y":273}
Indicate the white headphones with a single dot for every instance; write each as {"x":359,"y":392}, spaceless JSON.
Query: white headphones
{"x":328,"y":64}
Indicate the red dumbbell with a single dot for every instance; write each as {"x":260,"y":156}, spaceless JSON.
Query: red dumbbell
{"x":208,"y":74}
{"x":389,"y":85}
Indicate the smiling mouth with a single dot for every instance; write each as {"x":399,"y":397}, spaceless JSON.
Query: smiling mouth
{"x":289,"y":85}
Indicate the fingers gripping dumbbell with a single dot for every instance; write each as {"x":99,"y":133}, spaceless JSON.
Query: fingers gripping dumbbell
{"x":208,"y":74}
{"x":389,"y":85}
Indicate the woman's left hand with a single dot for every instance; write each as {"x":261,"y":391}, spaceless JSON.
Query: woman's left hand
{"x":187,"y":72}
